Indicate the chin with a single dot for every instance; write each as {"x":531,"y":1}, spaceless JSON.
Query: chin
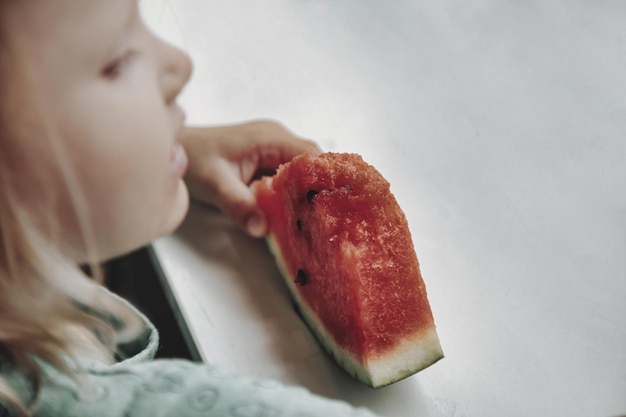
{"x":119,"y":245}
{"x":179,"y":210}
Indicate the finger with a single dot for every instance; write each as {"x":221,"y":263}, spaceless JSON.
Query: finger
{"x":273,"y":154}
{"x":237,"y":201}
{"x":276,"y":145}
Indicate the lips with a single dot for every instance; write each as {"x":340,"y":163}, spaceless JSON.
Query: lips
{"x":179,"y":161}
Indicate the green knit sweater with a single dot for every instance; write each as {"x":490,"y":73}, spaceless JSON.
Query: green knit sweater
{"x":141,"y":386}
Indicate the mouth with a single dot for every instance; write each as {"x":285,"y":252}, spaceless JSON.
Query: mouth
{"x":178,"y":160}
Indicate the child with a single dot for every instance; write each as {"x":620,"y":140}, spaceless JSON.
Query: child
{"x":91,"y":166}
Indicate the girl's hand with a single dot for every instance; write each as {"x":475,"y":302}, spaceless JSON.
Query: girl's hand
{"x":224,"y":160}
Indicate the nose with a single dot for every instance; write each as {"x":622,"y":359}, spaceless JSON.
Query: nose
{"x":176,"y":72}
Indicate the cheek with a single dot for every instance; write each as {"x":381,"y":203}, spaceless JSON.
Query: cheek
{"x":106,"y":165}
{"x":131,"y":195}
{"x":121,"y":147}
{"x":119,"y":142}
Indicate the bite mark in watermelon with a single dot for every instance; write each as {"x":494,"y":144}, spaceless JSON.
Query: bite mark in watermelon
{"x":344,"y":247}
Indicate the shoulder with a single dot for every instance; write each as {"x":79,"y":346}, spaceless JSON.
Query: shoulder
{"x":18,"y":385}
{"x":140,"y":386}
{"x":136,"y":338}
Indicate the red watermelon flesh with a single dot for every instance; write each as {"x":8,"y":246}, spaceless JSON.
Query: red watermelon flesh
{"x":344,"y":247}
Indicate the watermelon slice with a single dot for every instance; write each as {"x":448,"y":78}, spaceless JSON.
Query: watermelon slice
{"x":343,"y":245}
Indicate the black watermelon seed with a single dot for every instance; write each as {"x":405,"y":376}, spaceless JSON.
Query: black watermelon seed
{"x":299,"y":225}
{"x":310,"y":195}
{"x":302,"y":278}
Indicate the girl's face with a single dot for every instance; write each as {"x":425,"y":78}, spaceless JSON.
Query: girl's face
{"x":106,"y":88}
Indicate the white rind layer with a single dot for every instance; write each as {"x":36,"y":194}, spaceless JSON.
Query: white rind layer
{"x":412,"y":354}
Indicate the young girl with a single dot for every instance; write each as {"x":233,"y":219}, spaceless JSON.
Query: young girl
{"x":91,"y":165}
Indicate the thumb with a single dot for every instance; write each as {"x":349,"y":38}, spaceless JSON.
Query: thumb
{"x":236,"y":200}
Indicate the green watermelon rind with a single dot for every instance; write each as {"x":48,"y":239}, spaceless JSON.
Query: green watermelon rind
{"x":413,"y":354}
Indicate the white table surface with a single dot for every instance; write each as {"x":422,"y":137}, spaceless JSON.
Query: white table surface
{"x":501,"y":126}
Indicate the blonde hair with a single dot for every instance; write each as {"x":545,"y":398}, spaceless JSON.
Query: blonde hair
{"x":44,"y":295}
